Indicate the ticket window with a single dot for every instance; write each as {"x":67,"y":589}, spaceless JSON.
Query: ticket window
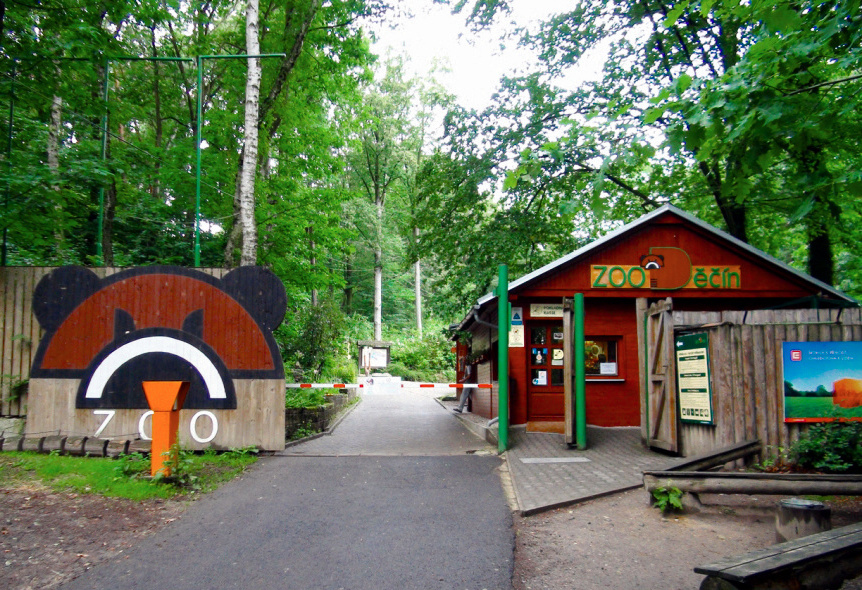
{"x":601,"y":357}
{"x":546,"y":355}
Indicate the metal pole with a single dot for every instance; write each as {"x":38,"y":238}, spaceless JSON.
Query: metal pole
{"x":200,"y":59}
{"x":503,"y":321}
{"x":580,"y":375}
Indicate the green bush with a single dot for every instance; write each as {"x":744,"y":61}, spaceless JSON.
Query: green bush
{"x":429,"y":358}
{"x":831,"y":447}
{"x":305,"y":398}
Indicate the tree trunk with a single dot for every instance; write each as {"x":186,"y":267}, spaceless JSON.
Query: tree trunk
{"x":249,"y":165}
{"x":53,"y":154}
{"x":312,"y":261}
{"x":417,"y":286}
{"x":108,"y":223}
{"x":298,"y":17}
{"x":820,"y":264}
{"x":155,"y":188}
{"x":378,"y":272}
{"x":347,"y":305}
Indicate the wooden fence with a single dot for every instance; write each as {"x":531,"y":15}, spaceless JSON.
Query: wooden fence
{"x":745,"y":351}
{"x":20,"y":332}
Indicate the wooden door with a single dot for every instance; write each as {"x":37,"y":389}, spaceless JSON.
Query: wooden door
{"x":661,"y":378}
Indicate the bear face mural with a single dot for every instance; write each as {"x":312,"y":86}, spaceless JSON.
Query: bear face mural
{"x":158,"y":324}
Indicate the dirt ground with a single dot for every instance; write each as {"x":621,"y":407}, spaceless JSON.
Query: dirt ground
{"x":621,"y":542}
{"x":48,"y":537}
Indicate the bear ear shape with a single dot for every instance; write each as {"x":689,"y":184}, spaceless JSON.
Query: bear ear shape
{"x":260,"y":292}
{"x":194,"y":323}
{"x":60,"y":292}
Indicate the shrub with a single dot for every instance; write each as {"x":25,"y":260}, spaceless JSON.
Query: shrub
{"x":429,"y":358}
{"x":304,"y":398}
{"x":831,"y":447}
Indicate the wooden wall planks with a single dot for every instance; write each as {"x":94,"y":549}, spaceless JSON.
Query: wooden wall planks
{"x":745,"y":363}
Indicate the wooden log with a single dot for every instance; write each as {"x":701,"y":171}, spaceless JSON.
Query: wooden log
{"x":754,"y":483}
{"x":719,"y":457}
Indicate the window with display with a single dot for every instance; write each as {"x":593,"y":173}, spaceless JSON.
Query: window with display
{"x":600,"y":357}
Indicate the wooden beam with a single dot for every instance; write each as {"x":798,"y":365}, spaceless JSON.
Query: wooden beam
{"x":698,"y":482}
{"x":719,"y":457}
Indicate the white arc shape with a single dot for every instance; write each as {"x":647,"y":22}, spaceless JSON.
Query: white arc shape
{"x":149,"y":344}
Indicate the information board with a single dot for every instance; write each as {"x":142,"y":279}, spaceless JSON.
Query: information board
{"x":692,"y":378}
{"x":822,"y":381}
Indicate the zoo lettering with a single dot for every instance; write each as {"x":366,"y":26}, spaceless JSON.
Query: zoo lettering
{"x":625,"y":276}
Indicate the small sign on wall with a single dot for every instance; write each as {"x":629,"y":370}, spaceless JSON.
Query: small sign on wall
{"x":693,"y":382}
{"x":546,"y":310}
{"x":516,"y":328}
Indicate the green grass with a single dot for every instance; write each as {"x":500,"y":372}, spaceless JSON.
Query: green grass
{"x":120,"y":478}
{"x":817,"y":407}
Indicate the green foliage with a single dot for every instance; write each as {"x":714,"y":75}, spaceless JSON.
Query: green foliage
{"x":304,"y":398}
{"x":178,"y":463}
{"x":303,"y":431}
{"x":423,"y":359}
{"x":86,"y":475}
{"x":746,"y":114}
{"x":125,"y":477}
{"x":831,"y":447}
{"x":668,"y":498}
{"x":775,"y":459}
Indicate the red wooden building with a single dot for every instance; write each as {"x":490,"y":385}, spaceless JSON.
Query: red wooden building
{"x":666,"y":253}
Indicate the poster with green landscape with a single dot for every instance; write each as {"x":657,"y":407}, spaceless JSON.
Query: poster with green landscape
{"x":822,"y":381}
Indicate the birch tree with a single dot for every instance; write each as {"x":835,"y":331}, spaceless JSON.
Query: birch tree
{"x":248,"y":170}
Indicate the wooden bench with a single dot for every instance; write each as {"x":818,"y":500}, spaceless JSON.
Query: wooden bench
{"x":821,"y":561}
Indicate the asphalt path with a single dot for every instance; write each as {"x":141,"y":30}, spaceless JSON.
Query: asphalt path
{"x":342,"y":512}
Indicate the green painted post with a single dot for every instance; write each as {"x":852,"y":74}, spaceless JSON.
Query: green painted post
{"x":580,"y":375}
{"x":503,"y":320}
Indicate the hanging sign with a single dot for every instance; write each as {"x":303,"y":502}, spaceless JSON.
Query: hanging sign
{"x":692,"y":375}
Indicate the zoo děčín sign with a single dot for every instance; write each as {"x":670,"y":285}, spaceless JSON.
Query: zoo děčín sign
{"x":665,"y":269}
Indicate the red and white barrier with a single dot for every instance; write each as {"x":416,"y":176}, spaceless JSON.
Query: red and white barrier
{"x":450,"y":385}
{"x":359,"y":385}
{"x":324,"y":385}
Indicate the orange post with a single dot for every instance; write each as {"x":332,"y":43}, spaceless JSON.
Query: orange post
{"x":166,"y":399}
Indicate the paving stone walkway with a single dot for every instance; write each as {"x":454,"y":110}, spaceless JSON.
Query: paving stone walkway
{"x":548,"y":474}
{"x":406,"y":423}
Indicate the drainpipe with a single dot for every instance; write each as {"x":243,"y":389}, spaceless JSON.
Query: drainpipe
{"x":503,"y":320}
